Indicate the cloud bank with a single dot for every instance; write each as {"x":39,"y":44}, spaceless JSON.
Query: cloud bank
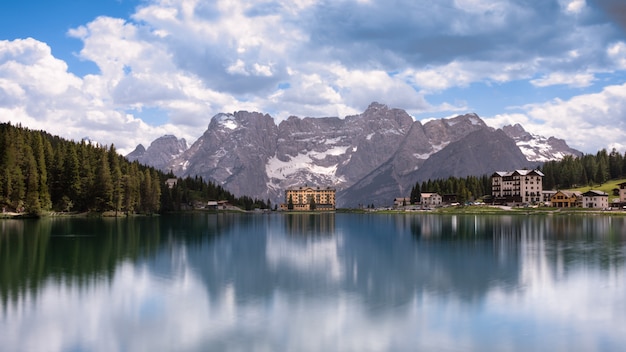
{"x":175,"y":63}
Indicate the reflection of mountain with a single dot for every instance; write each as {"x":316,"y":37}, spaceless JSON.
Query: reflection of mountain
{"x":376,"y":257}
{"x":383,"y":259}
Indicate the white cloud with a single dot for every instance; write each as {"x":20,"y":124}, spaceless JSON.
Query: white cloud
{"x":588,"y":122}
{"x":617,"y":53}
{"x":555,"y":78}
{"x":191,"y":59}
{"x":37,"y":91}
{"x":434,"y":79}
{"x":573,"y":6}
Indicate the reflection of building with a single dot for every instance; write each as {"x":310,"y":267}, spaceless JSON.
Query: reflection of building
{"x":519,"y":186}
{"x":321,"y":224}
{"x":595,"y":199}
{"x":309,"y":198}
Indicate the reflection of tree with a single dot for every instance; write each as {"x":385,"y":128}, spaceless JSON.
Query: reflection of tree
{"x":69,"y":250}
{"x":383,"y":259}
{"x":79,"y":250}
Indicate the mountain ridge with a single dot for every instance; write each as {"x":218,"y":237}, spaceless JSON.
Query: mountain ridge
{"x":248,"y":153}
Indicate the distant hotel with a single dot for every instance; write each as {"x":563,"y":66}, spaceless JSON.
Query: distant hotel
{"x":309,"y":199}
{"x":519,"y":186}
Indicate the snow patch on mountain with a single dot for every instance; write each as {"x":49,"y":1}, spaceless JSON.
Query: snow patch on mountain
{"x":278,"y":169}
{"x":227,"y":121}
{"x":538,"y":148}
{"x":475,"y":120}
{"x":335,"y":151}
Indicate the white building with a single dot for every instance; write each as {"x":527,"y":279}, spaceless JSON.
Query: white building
{"x":519,"y":186}
{"x":595,"y":199}
{"x":431,"y":199}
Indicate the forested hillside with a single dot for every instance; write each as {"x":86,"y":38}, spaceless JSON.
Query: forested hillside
{"x":40,"y":173}
{"x":588,"y":169}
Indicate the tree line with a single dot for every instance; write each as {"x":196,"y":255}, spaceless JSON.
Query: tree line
{"x":588,"y":169}
{"x":463,"y":188}
{"x":40,"y":172}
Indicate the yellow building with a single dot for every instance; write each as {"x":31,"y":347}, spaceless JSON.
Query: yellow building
{"x":309,"y":198}
{"x":567,"y":199}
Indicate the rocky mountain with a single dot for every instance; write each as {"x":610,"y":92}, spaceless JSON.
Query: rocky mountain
{"x":234,"y":152}
{"x":477,"y":153}
{"x":160,"y":152}
{"x":370,"y":158}
{"x":538,"y":148}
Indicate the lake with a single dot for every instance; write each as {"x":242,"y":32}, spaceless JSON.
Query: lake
{"x":314,"y":282}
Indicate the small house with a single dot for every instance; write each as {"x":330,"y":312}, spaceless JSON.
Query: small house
{"x":431,"y":199}
{"x":595,"y":199}
{"x":567,"y":199}
{"x":401,"y":202}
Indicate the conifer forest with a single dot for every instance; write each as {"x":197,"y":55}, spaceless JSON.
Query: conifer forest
{"x":41,"y":173}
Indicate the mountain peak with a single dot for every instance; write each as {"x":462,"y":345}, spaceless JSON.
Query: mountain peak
{"x":160,"y":151}
{"x":517,"y":132}
{"x":538,"y":148}
{"x":377,"y":106}
{"x":468,"y":119}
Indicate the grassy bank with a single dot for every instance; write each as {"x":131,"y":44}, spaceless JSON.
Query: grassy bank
{"x":606,"y":187}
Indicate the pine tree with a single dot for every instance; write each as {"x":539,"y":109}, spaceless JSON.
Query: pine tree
{"x":42,"y":168}
{"x":290,"y":202}
{"x":602,"y":174}
{"x":88,"y":160}
{"x":156,"y":192}
{"x":70,"y":180}
{"x":32,"y":204}
{"x":104,"y":185}
{"x":116,"y":178}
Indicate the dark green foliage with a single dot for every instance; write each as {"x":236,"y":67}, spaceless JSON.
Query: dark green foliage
{"x":588,"y":169}
{"x":416,"y":194}
{"x":290,"y":203}
{"x":40,"y":172}
{"x":465,"y":189}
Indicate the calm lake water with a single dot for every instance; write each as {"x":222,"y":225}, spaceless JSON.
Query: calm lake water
{"x":314,"y":282}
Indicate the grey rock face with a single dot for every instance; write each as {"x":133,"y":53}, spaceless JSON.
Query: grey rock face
{"x":160,"y":152}
{"x":539,"y":148}
{"x":477,"y":153}
{"x":232,"y":152}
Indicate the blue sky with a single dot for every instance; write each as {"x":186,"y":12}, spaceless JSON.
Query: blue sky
{"x":127,"y":72}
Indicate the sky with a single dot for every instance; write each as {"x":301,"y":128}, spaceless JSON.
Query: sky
{"x":126,"y":72}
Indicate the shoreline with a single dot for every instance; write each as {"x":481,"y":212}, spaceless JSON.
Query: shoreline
{"x":458,"y":210}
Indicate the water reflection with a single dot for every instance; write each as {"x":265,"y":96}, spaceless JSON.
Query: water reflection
{"x":314,"y":282}
{"x":312,"y":224}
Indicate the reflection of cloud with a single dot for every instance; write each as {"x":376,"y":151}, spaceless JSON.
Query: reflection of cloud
{"x":169,"y":303}
{"x":308,"y":255}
